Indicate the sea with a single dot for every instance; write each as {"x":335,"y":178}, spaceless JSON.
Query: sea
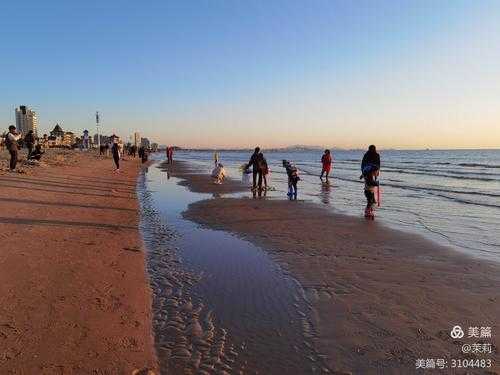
{"x":449,"y":196}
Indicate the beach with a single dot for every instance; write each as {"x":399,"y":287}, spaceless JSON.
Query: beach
{"x":188,"y":277}
{"x":74,"y":295}
{"x":378,"y":299}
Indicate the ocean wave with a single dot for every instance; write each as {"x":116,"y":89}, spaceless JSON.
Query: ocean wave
{"x":465,"y":201}
{"x":456,"y":176}
{"x":476,"y":165}
{"x":394,"y":184}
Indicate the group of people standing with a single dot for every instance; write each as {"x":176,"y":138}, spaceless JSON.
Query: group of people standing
{"x":260,"y":170}
{"x":117,"y":151}
{"x":12,"y":143}
{"x":370,"y":168}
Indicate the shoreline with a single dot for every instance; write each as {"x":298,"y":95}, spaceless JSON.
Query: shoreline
{"x":74,"y":292}
{"x":395,"y":296}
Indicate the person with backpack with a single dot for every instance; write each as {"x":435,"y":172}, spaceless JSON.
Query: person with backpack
{"x":11,"y":143}
{"x":29,"y":141}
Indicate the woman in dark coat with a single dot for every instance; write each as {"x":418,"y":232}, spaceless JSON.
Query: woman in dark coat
{"x":115,"y":152}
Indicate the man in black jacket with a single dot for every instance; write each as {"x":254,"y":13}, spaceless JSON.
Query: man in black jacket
{"x":254,"y":162}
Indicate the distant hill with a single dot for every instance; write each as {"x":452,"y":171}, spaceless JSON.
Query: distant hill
{"x":293,"y":148}
{"x":300,"y":148}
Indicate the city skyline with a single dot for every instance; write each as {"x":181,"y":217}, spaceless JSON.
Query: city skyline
{"x":234,"y":75}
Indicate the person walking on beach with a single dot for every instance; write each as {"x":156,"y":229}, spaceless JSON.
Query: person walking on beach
{"x":170,"y":154}
{"x":12,"y":146}
{"x":29,"y":141}
{"x":256,"y":171}
{"x":370,"y":173}
{"x":326,"y":161}
{"x":370,"y":168}
{"x":143,"y":154}
{"x":115,"y":152}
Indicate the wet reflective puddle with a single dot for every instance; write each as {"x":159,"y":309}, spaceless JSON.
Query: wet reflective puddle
{"x":220,"y":304}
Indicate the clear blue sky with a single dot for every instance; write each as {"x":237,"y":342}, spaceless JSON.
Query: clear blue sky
{"x":240,"y":73}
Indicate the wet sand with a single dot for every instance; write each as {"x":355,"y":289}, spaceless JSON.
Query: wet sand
{"x":221,"y":305}
{"x":380,"y":298}
{"x":74,"y":297}
{"x":200,"y":181}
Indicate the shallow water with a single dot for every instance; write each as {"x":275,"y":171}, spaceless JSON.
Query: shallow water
{"x":452,"y":196}
{"x":220,"y":303}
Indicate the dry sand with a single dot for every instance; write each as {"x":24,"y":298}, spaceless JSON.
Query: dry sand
{"x":380,"y":298}
{"x":74,"y":297}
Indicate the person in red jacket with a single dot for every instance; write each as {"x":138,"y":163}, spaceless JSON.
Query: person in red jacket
{"x":326,"y":160}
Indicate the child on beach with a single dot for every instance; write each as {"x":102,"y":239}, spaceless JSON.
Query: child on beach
{"x":216,"y":158}
{"x":326,"y":160}
{"x":218,"y":174}
{"x":293,"y":179}
{"x":264,"y":168}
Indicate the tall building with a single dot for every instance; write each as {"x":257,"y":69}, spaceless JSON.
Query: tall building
{"x":137,"y":139}
{"x":26,"y":120}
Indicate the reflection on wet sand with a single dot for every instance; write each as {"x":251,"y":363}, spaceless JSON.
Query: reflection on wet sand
{"x":325,"y":192}
{"x":221,"y":305}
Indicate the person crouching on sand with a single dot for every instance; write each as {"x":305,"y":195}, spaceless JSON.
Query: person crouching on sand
{"x":293,"y":179}
{"x":218,"y":174}
{"x":326,"y":160}
{"x":115,"y":152}
{"x":37,"y":153}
